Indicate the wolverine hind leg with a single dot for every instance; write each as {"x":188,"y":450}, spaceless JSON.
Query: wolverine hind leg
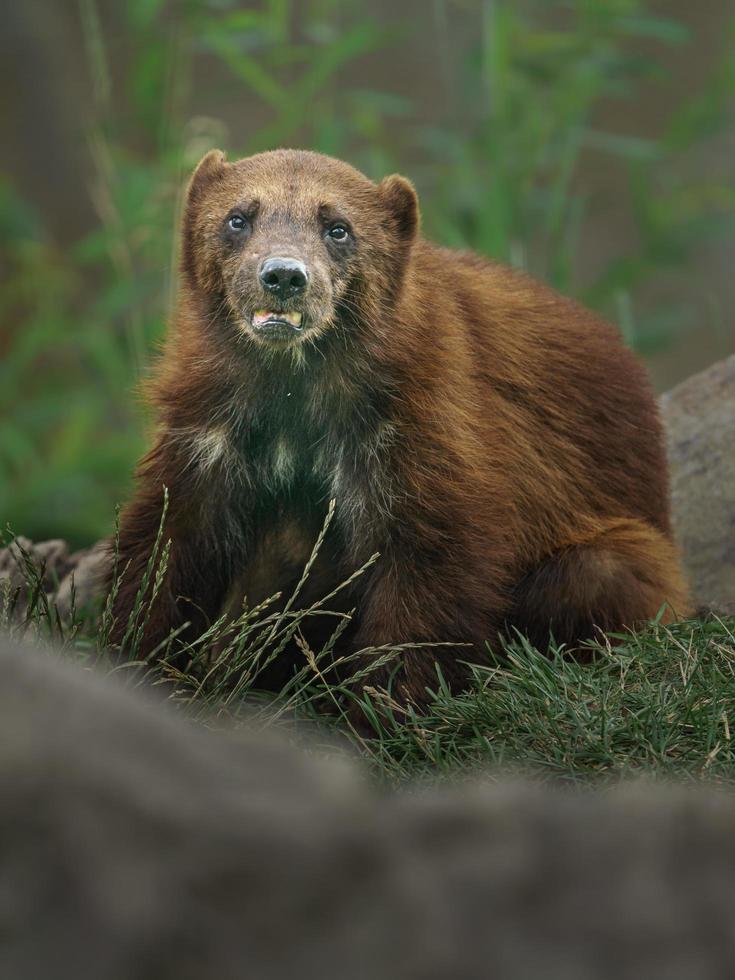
{"x":615,"y":580}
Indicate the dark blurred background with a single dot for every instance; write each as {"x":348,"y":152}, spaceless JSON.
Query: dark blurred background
{"x":590,"y":141}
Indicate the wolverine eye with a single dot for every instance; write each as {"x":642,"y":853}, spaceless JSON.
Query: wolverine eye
{"x":236,"y":222}
{"x":338,"y":233}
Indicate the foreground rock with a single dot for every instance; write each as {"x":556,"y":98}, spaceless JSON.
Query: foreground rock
{"x":700,"y":422}
{"x":699,"y":416}
{"x":137,"y":846}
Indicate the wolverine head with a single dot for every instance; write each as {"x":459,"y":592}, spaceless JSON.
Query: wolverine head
{"x":288,"y":245}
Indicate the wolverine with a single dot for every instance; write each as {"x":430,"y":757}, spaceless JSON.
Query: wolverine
{"x":493,"y":441}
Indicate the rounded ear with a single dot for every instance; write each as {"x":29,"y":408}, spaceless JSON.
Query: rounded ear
{"x":402,"y":202}
{"x":211,"y":166}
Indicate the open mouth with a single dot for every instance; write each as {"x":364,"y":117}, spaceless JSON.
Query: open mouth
{"x":277,"y":322}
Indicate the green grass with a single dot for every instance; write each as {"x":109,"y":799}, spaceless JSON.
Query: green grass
{"x":659,"y":702}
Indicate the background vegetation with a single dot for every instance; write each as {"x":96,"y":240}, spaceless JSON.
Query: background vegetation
{"x":501,"y":169}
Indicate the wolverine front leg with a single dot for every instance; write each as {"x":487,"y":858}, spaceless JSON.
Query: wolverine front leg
{"x":425,"y":594}
{"x":205,"y":552}
{"x":439,"y":579}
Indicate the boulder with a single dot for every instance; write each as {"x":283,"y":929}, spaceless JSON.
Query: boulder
{"x":136,"y":846}
{"x":699,"y":416}
{"x":62,"y":572}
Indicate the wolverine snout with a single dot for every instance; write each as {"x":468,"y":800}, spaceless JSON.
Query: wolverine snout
{"x":284,"y":277}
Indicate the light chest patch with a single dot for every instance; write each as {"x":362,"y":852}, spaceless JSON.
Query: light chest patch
{"x":283,"y":461}
{"x":209,"y":446}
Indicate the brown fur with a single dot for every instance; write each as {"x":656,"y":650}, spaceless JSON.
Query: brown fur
{"x":494,"y":441}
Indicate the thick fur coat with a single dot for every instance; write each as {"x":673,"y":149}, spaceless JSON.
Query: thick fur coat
{"x":495,"y":442}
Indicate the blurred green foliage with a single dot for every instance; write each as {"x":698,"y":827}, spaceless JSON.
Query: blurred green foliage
{"x":499,"y":177}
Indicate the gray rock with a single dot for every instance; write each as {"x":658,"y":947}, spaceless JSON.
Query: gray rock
{"x":51,"y":558}
{"x":699,"y":415}
{"x":58,"y":568}
{"x":134,"y":846}
{"x":87,"y":575}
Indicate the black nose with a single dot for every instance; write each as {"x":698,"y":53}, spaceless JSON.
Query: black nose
{"x":284,"y":277}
